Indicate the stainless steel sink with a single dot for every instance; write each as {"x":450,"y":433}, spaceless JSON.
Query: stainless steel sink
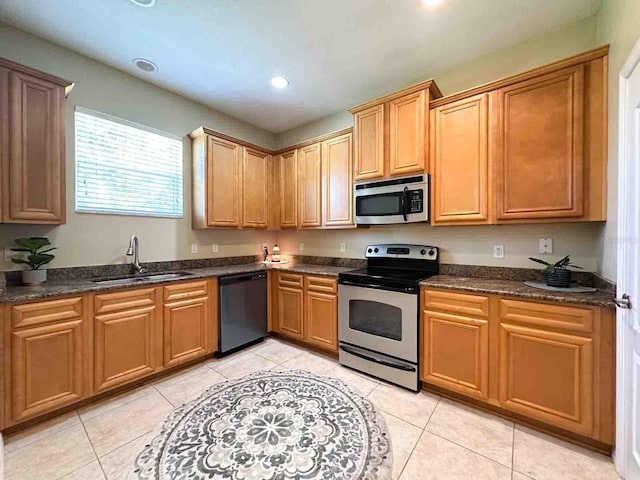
{"x":145,"y":277}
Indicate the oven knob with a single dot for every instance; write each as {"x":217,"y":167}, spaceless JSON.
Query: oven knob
{"x":375,"y":250}
{"x":369,"y":250}
{"x":423,"y":252}
{"x":432,"y":253}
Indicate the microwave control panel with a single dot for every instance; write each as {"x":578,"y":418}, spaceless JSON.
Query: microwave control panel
{"x":415,"y":201}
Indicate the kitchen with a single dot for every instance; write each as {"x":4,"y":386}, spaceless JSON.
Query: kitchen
{"x":299,"y":179}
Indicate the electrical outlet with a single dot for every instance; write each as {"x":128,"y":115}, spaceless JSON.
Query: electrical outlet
{"x":498,"y":251}
{"x":194,"y":248}
{"x":343,"y":247}
{"x":545,"y":245}
{"x":8,"y":254}
{"x":214,"y":248}
{"x":300,"y":247}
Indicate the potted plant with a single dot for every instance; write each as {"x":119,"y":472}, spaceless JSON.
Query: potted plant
{"x":36,"y":258}
{"x":557,"y":274}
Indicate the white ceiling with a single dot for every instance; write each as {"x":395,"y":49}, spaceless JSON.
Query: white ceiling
{"x":335,"y":53}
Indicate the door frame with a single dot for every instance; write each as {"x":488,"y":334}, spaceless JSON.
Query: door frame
{"x":623,"y":387}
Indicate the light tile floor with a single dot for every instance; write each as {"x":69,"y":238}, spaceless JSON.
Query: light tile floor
{"x":433,"y":438}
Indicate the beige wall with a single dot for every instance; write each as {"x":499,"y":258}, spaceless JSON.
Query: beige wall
{"x":89,"y":239}
{"x":547,"y":48}
{"x":619,"y":25}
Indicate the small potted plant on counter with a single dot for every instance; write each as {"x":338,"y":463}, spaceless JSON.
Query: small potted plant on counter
{"x":35,"y":258}
{"x":557,"y":274}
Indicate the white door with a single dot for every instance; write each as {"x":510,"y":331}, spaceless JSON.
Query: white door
{"x":627,"y":454}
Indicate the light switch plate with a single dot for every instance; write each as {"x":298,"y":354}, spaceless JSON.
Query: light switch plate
{"x":498,"y":251}
{"x":300,"y":246}
{"x":545,"y":245}
{"x":214,"y":248}
{"x":343,"y":247}
{"x":8,"y":254}
{"x":194,"y":248}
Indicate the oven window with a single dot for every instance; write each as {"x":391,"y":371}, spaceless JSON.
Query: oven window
{"x":376,"y":318}
{"x":378,"y":205}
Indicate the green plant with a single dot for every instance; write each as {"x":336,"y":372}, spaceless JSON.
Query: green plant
{"x":562,"y":263}
{"x":36,"y":257}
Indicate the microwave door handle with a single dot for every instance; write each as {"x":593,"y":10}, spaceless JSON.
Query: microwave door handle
{"x":404,"y":203}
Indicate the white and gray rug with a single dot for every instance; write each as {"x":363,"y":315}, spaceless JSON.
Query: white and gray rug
{"x":270,"y":426}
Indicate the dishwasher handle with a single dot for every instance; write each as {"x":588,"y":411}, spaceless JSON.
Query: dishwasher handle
{"x":242,"y":277}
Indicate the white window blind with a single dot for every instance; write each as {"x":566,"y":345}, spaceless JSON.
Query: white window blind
{"x":126,"y":169}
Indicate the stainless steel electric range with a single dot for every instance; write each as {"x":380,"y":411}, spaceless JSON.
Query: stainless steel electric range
{"x":378,"y":323}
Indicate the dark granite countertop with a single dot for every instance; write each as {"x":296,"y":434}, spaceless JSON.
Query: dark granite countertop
{"x":16,"y":294}
{"x":515,"y":288}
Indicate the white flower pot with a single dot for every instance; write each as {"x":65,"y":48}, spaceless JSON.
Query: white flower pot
{"x":34,"y":277}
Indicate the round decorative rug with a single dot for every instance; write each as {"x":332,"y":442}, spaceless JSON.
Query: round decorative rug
{"x":270,"y":426}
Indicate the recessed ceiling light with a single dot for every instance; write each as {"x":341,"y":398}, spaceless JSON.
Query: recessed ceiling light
{"x":145,"y":65}
{"x":144,"y":3}
{"x":279,"y":82}
{"x":432,"y":3}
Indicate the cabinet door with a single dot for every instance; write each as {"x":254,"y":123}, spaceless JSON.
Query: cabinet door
{"x":255,"y":174}
{"x":126,"y":333}
{"x":34,"y":184}
{"x":290,"y":311}
{"x":455,"y":353}
{"x":289,"y":189}
{"x":185,"y":330}
{"x":322,"y":320}
{"x":539,"y":154}
{"x":461,"y":162}
{"x":369,"y":143}
{"x":547,"y":376}
{"x":46,"y":368}
{"x":223,"y":183}
{"x":337,"y":163}
{"x":310,"y":164}
{"x":407,"y":134}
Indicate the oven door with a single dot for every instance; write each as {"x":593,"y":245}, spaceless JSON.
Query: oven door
{"x":379,"y":320}
{"x":391,"y":204}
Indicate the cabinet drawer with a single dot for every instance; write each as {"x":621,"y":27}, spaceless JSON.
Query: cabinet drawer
{"x":293,"y":280}
{"x":183,"y":291}
{"x":463,"y":303}
{"x":561,"y":317}
{"x":46,"y":312}
{"x":321,"y":284}
{"x":112,"y":302}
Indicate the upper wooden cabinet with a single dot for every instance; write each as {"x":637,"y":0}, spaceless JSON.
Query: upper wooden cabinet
{"x":391,"y":133}
{"x":526,"y":149}
{"x":32,"y":145}
{"x":460,"y":162}
{"x":230,"y":182}
{"x":337,"y":165}
{"x":255,"y":182}
{"x":310,"y":185}
{"x":288,"y":165}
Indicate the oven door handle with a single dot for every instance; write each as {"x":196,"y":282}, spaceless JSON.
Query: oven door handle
{"x":386,"y":363}
{"x":365,"y":285}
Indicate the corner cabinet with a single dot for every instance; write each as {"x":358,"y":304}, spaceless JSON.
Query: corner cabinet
{"x":525,"y":149}
{"x":391,"y":133}
{"x":230,"y":182}
{"x":551,"y":364}
{"x":32,"y":145}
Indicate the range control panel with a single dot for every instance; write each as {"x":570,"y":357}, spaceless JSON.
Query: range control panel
{"x":417,"y":252}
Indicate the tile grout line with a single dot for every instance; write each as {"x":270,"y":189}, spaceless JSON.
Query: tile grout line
{"x":124,"y":445}
{"x":513,"y":449}
{"x":410,"y":454}
{"x":92,"y":446}
{"x":162,"y":395}
{"x":468,"y":449}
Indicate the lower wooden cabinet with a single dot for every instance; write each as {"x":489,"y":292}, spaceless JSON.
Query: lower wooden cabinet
{"x":550,"y":363}
{"x":186,"y":325}
{"x":61,"y":351}
{"x":127,"y":335}
{"x":48,"y":345}
{"x":307,"y":309}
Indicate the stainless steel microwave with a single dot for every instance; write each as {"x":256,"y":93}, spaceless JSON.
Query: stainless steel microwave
{"x":398,"y":200}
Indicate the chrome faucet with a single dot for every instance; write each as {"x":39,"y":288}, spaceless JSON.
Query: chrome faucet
{"x":134,"y":250}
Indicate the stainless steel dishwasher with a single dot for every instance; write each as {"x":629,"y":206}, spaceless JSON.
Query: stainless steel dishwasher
{"x":243,"y":310}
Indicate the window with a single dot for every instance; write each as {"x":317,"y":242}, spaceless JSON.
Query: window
{"x":126,"y":169}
